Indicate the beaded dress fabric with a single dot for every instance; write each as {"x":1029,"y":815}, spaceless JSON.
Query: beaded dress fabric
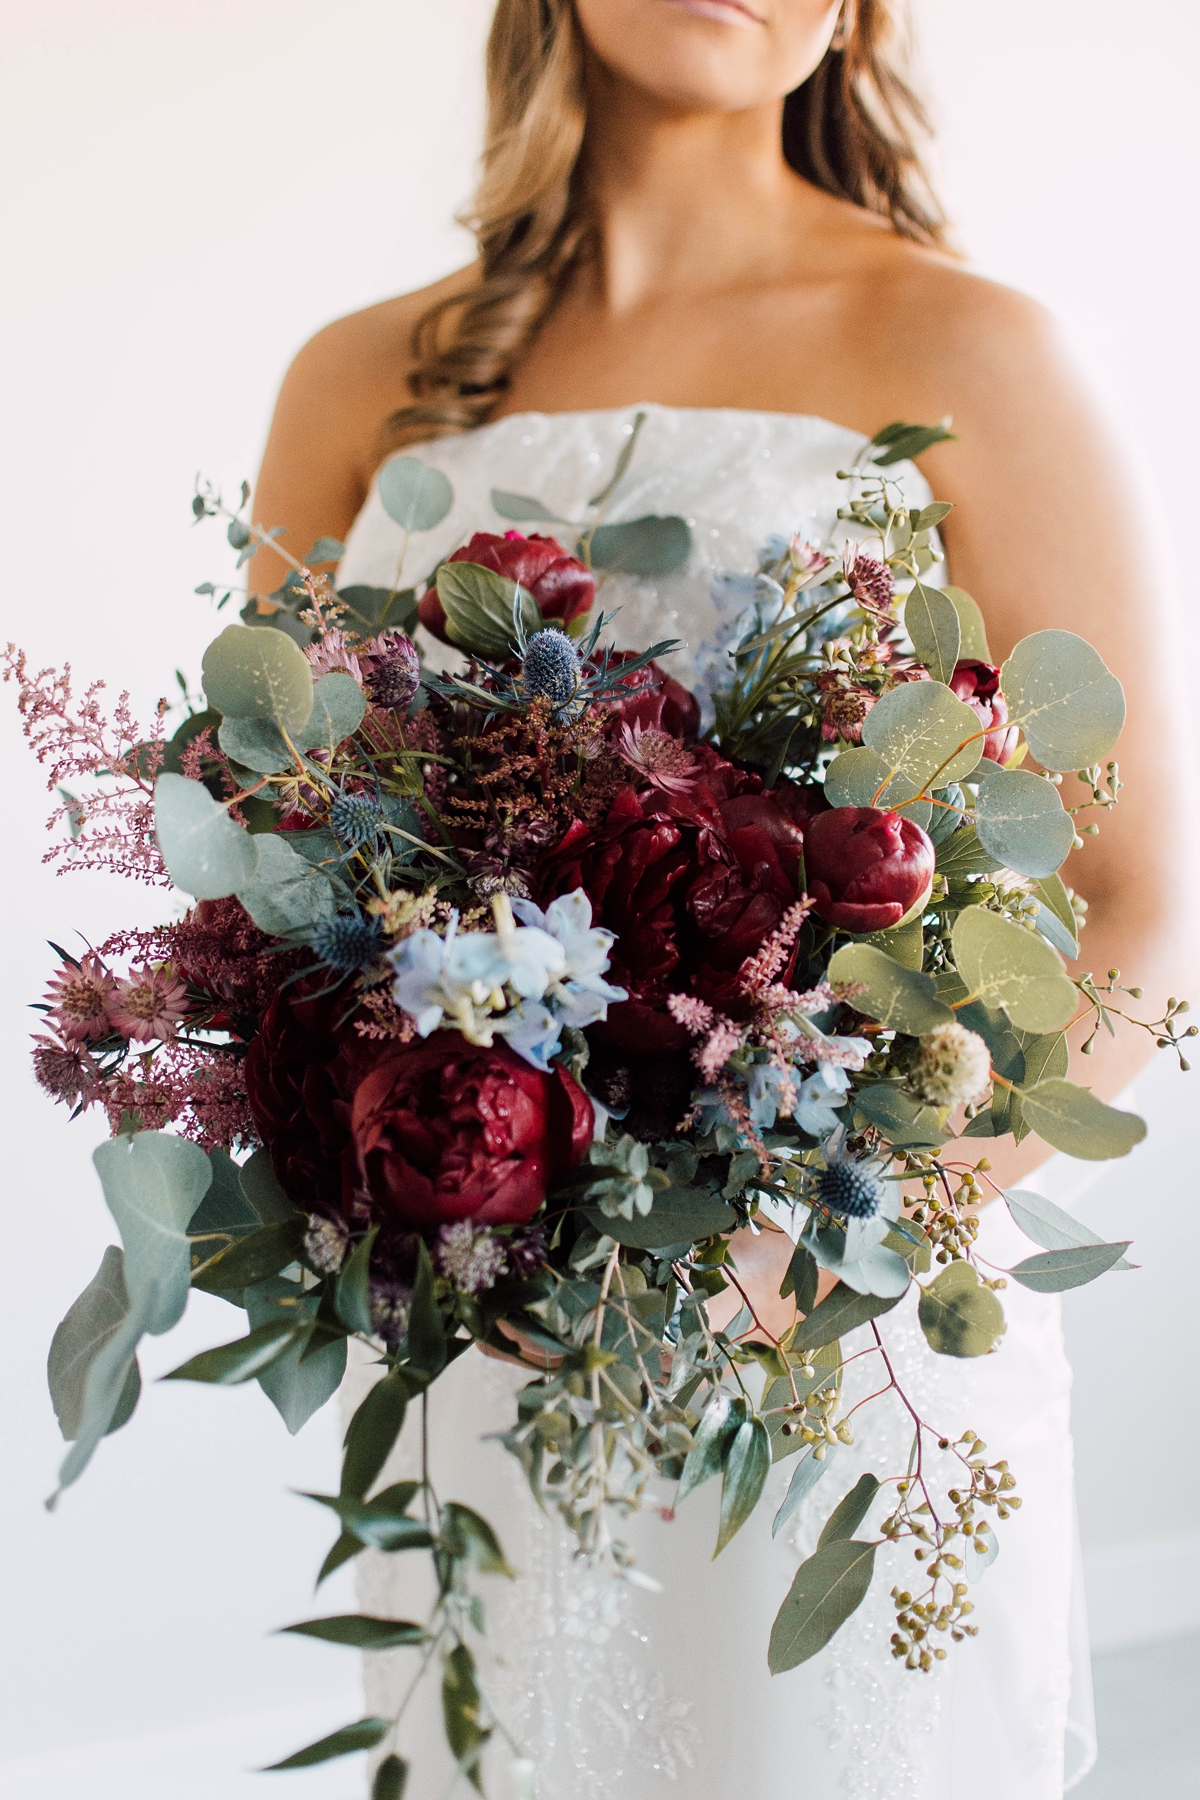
{"x":643,"y":1694}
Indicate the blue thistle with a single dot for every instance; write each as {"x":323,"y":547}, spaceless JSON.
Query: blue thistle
{"x":551,"y":667}
{"x":849,"y":1188}
{"x":355,"y":819}
{"x":348,"y":942}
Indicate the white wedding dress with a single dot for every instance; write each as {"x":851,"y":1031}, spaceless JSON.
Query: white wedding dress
{"x":669,"y":1692}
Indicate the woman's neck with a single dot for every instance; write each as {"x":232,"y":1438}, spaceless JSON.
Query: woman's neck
{"x":686,"y":200}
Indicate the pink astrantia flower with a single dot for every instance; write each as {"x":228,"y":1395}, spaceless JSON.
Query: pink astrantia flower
{"x":149,"y":1005}
{"x":806,"y":559}
{"x":869,"y":580}
{"x":333,"y":653}
{"x":78,"y":998}
{"x":65,"y":1071}
{"x":656,"y":756}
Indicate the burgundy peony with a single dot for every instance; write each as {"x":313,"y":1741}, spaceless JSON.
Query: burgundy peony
{"x":651,"y":698}
{"x":978,"y":684}
{"x":562,"y":586}
{"x":407,"y":1136}
{"x":447,"y":1130}
{"x":866,"y":870}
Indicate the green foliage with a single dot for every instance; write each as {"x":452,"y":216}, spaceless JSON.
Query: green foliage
{"x":1005,"y":965}
{"x":1065,"y":699}
{"x":153,"y":1184}
{"x":903,"y":998}
{"x":1055,"y":919}
{"x":973,"y":644}
{"x":924,"y":731}
{"x":205,"y":852}
{"x":479,"y":605}
{"x":87,"y":1326}
{"x":360,"y":1631}
{"x":373,"y":1431}
{"x":364,"y":1734}
{"x":840,"y":1312}
{"x":905,"y":1121}
{"x":648,"y":546}
{"x":224,"y":1208}
{"x":471,"y":1539}
{"x":308,"y":1373}
{"x":932,"y":624}
{"x":861,"y":777}
{"x":383,"y":1523}
{"x":1054,"y":1271}
{"x":1072,"y":1119}
{"x":902,"y":441}
{"x":339,"y":708}
{"x":710,"y":1442}
{"x":747,"y":1465}
{"x":959,"y":1316}
{"x":824,"y":1592}
{"x":1049,"y":1226}
{"x":808,"y":1472}
{"x":524,"y":510}
{"x":461,"y":1708}
{"x":962,"y":854}
{"x":286,"y":896}
{"x":1020,"y":819}
{"x":370,"y":609}
{"x":850,"y":1511}
{"x":677,"y":1216}
{"x":354,"y":1286}
{"x":391,"y":1778}
{"x":905,"y":944}
{"x":426,"y":1329}
{"x":260,"y":1184}
{"x":254,"y":1258}
{"x":230,"y":1364}
{"x":416,"y":496}
{"x":252,"y":674}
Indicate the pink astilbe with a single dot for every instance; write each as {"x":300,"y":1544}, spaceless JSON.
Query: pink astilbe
{"x":758,"y":970}
{"x":694,"y":1015}
{"x":201,"y":1092}
{"x":78,"y":996}
{"x":149,"y":1005}
{"x":723,"y":1040}
{"x":111,"y":828}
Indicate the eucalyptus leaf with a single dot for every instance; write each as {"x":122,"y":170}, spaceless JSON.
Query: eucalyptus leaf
{"x":824,"y":1592}
{"x":230,"y":1364}
{"x":326,"y":549}
{"x":973,"y":646}
{"x":710,"y":1442}
{"x":904,"y":1120}
{"x":747,"y":1465}
{"x":416,"y":496}
{"x":959,"y":1316}
{"x":339,"y":707}
{"x":206,"y":854}
{"x":153,"y":1183}
{"x":648,"y":546}
{"x":963,"y":854}
{"x":1055,"y":1271}
{"x":932,"y":624}
{"x":1020,"y":819}
{"x":107,"y":1385}
{"x":260,"y":1184}
{"x":359,"y":1631}
{"x":364,"y":1734}
{"x":1048,"y":1225}
{"x":523,"y":509}
{"x":677,"y":1215}
{"x":840,"y":1312}
{"x":87,"y":1326}
{"x":255,"y":744}
{"x":478,"y":605}
{"x":373,"y":609}
{"x":925,"y":732}
{"x":287,"y":896}
{"x":1056,"y":918}
{"x":902,"y":998}
{"x":850,"y":1511}
{"x":251,"y":674}
{"x":807,"y":1473}
{"x":224,"y":1207}
{"x":1061,"y":693}
{"x":860,"y":777}
{"x":1005,"y":965}
{"x":1073,"y":1120}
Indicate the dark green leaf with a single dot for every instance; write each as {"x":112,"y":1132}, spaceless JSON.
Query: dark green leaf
{"x":466,"y":1535}
{"x":905,"y":1121}
{"x":382,"y":1522}
{"x":962,"y":854}
{"x":354,"y":1286}
{"x":224,"y":1209}
{"x":678,"y":1215}
{"x":850,"y":1511}
{"x":229,"y":1364}
{"x":478,"y":605}
{"x":360,"y":1631}
{"x":88,"y":1325}
{"x":344,"y":1550}
{"x":373,"y":1431}
{"x":1054,"y":1271}
{"x":959,"y":1316}
{"x":363,"y":1735}
{"x":371,"y":609}
{"x":801,"y":1279}
{"x":712,"y":1437}
{"x":412,"y":493}
{"x":460,"y":1709}
{"x":840,"y":1312}
{"x":260,"y":1184}
{"x":747,"y":1465}
{"x":310,"y":1372}
{"x":905,"y":944}
{"x":649,"y":546}
{"x":390,"y":1778}
{"x":808,"y":1472}
{"x":254,"y":1258}
{"x":902,"y":441}
{"x":824,"y":1592}
{"x":426,"y":1330}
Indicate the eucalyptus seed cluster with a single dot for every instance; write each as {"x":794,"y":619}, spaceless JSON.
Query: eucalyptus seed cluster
{"x":813,"y":1418}
{"x":950,"y":1228}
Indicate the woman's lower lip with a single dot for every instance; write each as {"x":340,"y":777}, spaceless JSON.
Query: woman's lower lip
{"x":721,"y":11}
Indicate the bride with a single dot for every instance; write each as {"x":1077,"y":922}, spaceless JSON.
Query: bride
{"x":713,"y":212}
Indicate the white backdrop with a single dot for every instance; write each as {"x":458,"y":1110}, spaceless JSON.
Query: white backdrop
{"x":192,"y":192}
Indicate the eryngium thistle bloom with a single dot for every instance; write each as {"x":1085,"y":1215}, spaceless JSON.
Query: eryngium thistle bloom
{"x":392,"y":670}
{"x":849,"y":1188}
{"x":551,"y":667}
{"x":470,"y":1260}
{"x":325,"y":1244}
{"x":953,"y":1066}
{"x":347,"y":942}
{"x":355,"y":819}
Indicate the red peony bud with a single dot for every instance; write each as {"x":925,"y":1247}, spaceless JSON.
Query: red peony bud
{"x":562,"y":586}
{"x":866,"y":870}
{"x":978,"y":685}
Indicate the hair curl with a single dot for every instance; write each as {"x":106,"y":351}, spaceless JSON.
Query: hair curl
{"x":852,"y":129}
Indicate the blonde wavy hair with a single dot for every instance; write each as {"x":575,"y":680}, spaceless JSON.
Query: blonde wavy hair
{"x":853,"y":129}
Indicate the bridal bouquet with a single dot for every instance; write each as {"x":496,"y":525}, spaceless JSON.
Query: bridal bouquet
{"x":506,"y":998}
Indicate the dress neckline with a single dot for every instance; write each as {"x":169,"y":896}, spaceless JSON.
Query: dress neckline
{"x":650,"y":406}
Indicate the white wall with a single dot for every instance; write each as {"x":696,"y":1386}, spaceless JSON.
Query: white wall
{"x":196,"y":191}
